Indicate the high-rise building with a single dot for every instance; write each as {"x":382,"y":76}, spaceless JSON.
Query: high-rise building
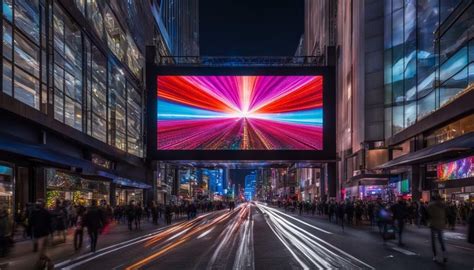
{"x":250,"y":184}
{"x":404,"y":82}
{"x":179,"y":19}
{"x":72,"y":100}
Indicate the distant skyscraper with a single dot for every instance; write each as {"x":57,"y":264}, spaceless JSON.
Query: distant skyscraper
{"x":180,"y":18}
{"x":250,"y":183}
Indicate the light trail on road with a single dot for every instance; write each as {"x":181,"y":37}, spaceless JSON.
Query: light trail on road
{"x":196,"y":228}
{"x":310,"y":251}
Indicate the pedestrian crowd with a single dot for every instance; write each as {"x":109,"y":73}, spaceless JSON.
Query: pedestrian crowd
{"x":391,"y":217}
{"x":48,"y":226}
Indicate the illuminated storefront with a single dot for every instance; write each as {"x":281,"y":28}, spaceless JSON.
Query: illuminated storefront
{"x":455,"y":179}
{"x":6,"y":188}
{"x":64,"y":186}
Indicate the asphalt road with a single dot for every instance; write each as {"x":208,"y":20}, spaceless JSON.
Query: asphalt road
{"x":255,"y":236}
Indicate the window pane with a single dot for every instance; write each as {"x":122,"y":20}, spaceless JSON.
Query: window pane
{"x":453,"y":86}
{"x":81,"y":5}
{"x":397,"y":119}
{"x":426,"y":105}
{"x":115,"y":35}
{"x":8,"y":9}
{"x":7,"y":77}
{"x":457,"y":34}
{"x":410,"y":113}
{"x":26,"y":88}
{"x":453,"y":65}
{"x":98,"y":128}
{"x":7,"y":40}
{"x":26,"y":55}
{"x":27,"y":18}
{"x":69,"y":110}
{"x":58,"y":77}
{"x":58,"y":105}
{"x":95,"y":16}
{"x":117,"y":94}
{"x":68,"y":66}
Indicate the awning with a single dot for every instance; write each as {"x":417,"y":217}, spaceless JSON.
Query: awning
{"x":453,"y":148}
{"x":124,"y":181}
{"x":39,"y":152}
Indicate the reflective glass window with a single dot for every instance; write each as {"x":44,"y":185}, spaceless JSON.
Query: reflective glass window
{"x":7,"y":40}
{"x":134,"y":122}
{"x":27,"y":55}
{"x":117,"y":103}
{"x":8,"y":9}
{"x":27,"y":18}
{"x":397,"y":119}
{"x":26,"y":88}
{"x":426,"y":104}
{"x":454,"y":86}
{"x":99,"y":94}
{"x":453,"y":65}
{"x":68,"y":77}
{"x":94,"y":15}
{"x":7,"y":77}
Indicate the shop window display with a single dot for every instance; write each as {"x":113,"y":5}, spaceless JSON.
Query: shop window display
{"x":6,"y":188}
{"x":459,"y":169}
{"x":64,"y":186}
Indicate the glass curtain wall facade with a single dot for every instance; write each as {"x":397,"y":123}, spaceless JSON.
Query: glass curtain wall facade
{"x":23,"y":51}
{"x":91,"y":90}
{"x":429,"y":54}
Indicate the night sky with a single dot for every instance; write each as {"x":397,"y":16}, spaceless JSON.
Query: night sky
{"x":250,"y":27}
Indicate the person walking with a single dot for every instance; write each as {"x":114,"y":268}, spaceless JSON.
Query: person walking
{"x":400,"y":213}
{"x":154,"y":213}
{"x":93,"y":220}
{"x":5,"y":232}
{"x":130,"y":214}
{"x":470,"y":233}
{"x":168,"y":214}
{"x":138,"y":216}
{"x":340,"y":212}
{"x":437,"y":220}
{"x":40,"y":222}
{"x":79,"y":226}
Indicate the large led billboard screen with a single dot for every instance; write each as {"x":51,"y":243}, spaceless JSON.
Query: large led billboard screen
{"x":234,"y":112}
{"x":240,"y":113}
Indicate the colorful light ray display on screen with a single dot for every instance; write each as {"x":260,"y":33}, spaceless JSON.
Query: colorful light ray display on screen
{"x":458,"y":169}
{"x":240,"y":113}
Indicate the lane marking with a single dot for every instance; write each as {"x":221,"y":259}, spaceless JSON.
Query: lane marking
{"x":300,"y":221}
{"x":308,"y":244}
{"x":104,"y":251}
{"x":404,"y":251}
{"x":205,"y":233}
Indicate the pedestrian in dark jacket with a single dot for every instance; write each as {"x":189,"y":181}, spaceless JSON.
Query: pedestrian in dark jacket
{"x":93,"y":220}
{"x":5,"y":232}
{"x":154,"y":213}
{"x":138,"y":216}
{"x":470,"y":234}
{"x":168,"y":214}
{"x":437,"y":219}
{"x":130,"y":213}
{"x":400,"y":213}
{"x":40,"y":222}
{"x":79,"y":227}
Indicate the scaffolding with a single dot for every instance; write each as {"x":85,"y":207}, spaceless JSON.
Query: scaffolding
{"x":239,"y":61}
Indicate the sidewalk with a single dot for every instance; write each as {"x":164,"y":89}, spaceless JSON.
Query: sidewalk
{"x":21,"y":255}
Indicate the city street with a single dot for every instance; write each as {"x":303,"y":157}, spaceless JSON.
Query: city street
{"x":256,"y":236}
